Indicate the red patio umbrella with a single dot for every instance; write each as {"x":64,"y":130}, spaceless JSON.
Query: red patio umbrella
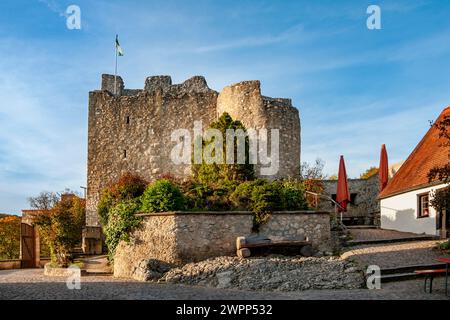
{"x":384,"y":168}
{"x":342,"y":193}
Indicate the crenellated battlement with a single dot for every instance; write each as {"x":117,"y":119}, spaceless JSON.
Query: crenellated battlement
{"x":164,"y":83}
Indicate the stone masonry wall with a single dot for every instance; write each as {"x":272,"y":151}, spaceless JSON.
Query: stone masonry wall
{"x":129,"y":130}
{"x":180,"y":238}
{"x":291,"y":224}
{"x":366,"y":203}
{"x":243,"y":101}
{"x":156,"y":237}
{"x":132,"y":133}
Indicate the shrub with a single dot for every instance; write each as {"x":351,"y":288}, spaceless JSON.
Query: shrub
{"x":266,"y":198}
{"x":241,"y":198}
{"x":105,"y":203}
{"x":121,"y":221}
{"x":161,"y":196}
{"x":127,"y":187}
{"x":263,"y":197}
{"x":293,"y":195}
{"x":10,"y":237}
{"x":441,"y":199}
{"x":445,"y":245}
{"x":61,"y":228}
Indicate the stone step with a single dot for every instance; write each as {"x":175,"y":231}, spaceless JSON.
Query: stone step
{"x":391,"y":240}
{"x":362,"y":227}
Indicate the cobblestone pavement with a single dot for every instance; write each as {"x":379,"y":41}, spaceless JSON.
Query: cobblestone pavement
{"x":380,"y":234}
{"x":395,"y":254}
{"x":32,"y":284}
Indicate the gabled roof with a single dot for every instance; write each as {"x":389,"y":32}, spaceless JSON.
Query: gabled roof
{"x":413,"y":173}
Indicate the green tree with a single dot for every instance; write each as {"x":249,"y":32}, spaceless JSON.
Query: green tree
{"x":216,"y":172}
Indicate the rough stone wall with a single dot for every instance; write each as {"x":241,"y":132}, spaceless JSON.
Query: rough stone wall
{"x":180,"y":238}
{"x":366,"y":204}
{"x":315,"y":226}
{"x":243,"y":101}
{"x":130,"y":131}
{"x":204,"y":236}
{"x":155,"y":237}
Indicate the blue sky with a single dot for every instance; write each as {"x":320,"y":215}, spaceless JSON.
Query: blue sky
{"x":355,"y":88}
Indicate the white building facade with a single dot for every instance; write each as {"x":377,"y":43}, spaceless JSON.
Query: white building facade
{"x":411,"y":212}
{"x":405,"y":202}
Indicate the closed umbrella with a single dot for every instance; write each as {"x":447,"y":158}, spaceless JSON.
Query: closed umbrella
{"x":342,"y":193}
{"x":384,"y":168}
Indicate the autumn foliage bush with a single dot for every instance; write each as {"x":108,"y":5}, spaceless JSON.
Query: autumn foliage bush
{"x":129,"y":186}
{"x":61,"y":228}
{"x":9,"y":237}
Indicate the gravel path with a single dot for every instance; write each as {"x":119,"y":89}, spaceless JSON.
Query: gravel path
{"x":32,"y":284}
{"x":395,"y":254}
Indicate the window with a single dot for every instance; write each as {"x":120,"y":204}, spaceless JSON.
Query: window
{"x":124,"y":154}
{"x":353,"y":198}
{"x":333,"y":196}
{"x":128,"y":120}
{"x":423,"y":210}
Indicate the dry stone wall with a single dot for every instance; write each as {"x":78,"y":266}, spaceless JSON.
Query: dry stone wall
{"x":316,"y":227}
{"x":182,"y":237}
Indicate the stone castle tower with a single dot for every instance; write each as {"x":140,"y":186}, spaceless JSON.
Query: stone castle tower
{"x":130,"y":129}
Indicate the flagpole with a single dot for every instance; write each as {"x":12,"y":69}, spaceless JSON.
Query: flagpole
{"x":115,"y":70}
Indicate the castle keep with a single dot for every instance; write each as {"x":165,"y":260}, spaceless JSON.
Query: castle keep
{"x":130,"y":129}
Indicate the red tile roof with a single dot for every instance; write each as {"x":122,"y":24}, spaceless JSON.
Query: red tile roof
{"x":427,"y":154}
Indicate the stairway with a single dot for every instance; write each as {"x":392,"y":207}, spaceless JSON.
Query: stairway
{"x":391,"y":240}
{"x":362,"y":227}
{"x":97,"y":265}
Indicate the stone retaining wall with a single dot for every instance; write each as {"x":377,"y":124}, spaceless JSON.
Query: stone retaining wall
{"x":10,"y":264}
{"x":16,"y":263}
{"x":181,"y":237}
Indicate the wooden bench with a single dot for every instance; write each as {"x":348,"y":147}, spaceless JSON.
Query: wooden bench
{"x":244,"y":244}
{"x":429,"y":275}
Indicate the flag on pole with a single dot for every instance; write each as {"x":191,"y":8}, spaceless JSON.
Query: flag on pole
{"x":118,"y":47}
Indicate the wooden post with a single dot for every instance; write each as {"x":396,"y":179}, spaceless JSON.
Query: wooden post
{"x":243,"y":253}
{"x":240,"y":242}
{"x":444,"y":224}
{"x":37,"y":248}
